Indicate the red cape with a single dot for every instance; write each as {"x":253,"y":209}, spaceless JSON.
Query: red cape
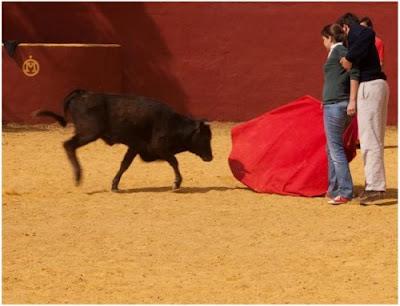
{"x":284,"y":151}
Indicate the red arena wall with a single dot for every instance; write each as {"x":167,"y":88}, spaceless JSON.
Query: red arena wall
{"x":60,"y":69}
{"x":220,"y":61}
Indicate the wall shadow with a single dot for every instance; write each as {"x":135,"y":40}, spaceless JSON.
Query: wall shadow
{"x":145,"y":55}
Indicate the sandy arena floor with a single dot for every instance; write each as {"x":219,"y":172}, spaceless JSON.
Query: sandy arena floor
{"x":213,"y":242}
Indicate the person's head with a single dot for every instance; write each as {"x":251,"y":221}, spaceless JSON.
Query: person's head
{"x":347,"y":20}
{"x":366,"y":22}
{"x":331,"y":34}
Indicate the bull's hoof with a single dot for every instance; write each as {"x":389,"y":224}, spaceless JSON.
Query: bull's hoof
{"x":115,"y":189}
{"x":78,"y":178}
{"x":176,"y":186}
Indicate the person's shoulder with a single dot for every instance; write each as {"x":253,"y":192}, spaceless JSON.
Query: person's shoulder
{"x":356,"y":29}
{"x":340,"y":50}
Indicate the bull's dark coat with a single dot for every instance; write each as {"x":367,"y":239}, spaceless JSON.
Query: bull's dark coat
{"x":149,"y":128}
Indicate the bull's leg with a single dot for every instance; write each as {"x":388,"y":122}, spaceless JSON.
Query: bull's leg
{"x":178,"y":178}
{"x":70,"y":147}
{"x":126,"y":162}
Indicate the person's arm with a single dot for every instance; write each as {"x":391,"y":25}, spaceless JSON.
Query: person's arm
{"x":352,"y":107}
{"x":354,"y":83}
{"x":360,"y":45}
{"x":345,"y":63}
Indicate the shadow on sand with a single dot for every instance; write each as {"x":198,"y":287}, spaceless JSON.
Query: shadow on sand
{"x":389,"y":200}
{"x":183,"y":190}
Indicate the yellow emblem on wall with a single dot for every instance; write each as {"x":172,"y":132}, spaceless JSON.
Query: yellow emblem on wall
{"x":31,"y":67}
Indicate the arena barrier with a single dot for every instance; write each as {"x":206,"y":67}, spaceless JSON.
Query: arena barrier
{"x":41,"y":75}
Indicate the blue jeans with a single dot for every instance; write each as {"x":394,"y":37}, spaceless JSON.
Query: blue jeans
{"x":335,"y":122}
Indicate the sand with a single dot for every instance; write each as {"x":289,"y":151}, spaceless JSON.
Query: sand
{"x":215,"y":241}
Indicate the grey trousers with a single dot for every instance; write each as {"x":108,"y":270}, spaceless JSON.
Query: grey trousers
{"x":372,"y":103}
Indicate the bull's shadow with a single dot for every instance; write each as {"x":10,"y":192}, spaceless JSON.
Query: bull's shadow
{"x":183,"y":190}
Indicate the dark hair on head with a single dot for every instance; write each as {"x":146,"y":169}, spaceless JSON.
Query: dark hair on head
{"x":368,"y":21}
{"x":348,"y":19}
{"x":335,"y":31}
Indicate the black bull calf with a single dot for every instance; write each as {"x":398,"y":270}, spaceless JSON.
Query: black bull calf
{"x":149,"y":128}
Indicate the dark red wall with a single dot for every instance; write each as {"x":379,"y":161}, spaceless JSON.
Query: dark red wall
{"x":63,"y":68}
{"x":223,"y":61}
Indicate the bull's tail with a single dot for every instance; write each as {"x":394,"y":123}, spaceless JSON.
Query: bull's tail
{"x":45,"y":113}
{"x":67,"y":100}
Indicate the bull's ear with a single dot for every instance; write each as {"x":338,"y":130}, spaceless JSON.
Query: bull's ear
{"x":198,"y":124}
{"x":196,"y":128}
{"x":201,"y":123}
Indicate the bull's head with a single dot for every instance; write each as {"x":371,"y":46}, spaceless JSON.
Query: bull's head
{"x":201,"y":140}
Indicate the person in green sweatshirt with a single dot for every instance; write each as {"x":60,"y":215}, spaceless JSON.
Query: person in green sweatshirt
{"x":339,"y":105}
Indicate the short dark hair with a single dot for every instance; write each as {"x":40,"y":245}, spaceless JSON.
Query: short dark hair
{"x":335,"y":31}
{"x":368,"y":21}
{"x":348,"y":19}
